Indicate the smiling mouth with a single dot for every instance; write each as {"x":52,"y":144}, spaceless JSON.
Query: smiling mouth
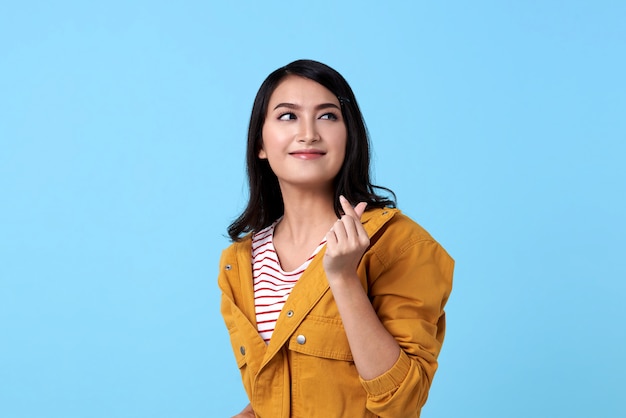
{"x":307,"y":154}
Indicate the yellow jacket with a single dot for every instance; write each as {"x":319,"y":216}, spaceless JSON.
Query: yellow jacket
{"x":307,"y":370}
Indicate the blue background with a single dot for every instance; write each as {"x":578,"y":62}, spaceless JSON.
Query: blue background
{"x":500,"y":125}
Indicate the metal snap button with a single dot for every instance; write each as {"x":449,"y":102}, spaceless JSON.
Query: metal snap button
{"x":242,"y":350}
{"x":289,"y":314}
{"x":300,"y":339}
{"x":228,"y":267}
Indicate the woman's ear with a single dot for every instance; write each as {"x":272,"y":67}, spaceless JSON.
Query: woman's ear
{"x":261,"y":154}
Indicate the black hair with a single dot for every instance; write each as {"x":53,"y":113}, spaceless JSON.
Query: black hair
{"x":265,"y":202}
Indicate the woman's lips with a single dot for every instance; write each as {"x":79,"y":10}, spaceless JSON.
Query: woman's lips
{"x":307,"y":154}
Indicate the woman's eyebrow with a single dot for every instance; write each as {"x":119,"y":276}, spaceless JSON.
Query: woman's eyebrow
{"x":287,"y":105}
{"x":326,"y":106}
{"x":318,"y":107}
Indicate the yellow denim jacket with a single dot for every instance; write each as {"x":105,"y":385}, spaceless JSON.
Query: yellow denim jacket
{"x":307,"y":370}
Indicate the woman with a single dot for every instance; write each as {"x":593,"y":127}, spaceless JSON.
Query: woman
{"x":333,"y":310}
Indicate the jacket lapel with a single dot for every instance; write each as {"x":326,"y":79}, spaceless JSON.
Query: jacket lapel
{"x":309,"y":289}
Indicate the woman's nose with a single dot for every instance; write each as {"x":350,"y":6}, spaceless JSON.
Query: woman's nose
{"x":308,"y":132}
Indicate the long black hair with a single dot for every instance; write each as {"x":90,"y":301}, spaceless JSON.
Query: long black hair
{"x":265,"y":203}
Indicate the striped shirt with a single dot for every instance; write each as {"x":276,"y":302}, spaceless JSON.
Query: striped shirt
{"x":272,"y":285}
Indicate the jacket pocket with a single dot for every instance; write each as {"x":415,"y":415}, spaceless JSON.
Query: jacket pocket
{"x":321,"y":337}
{"x":239,"y":349}
{"x":241,"y":356}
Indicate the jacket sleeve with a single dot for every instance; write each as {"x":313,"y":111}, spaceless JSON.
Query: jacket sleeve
{"x":409,"y":282}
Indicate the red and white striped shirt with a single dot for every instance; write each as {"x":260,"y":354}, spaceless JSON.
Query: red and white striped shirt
{"x":272,"y":285}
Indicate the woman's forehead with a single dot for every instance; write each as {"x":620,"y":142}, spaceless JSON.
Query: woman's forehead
{"x":301,"y":91}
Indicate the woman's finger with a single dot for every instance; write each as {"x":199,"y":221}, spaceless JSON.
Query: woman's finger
{"x":350,"y":227}
{"x":356,"y":212}
{"x":360,"y":209}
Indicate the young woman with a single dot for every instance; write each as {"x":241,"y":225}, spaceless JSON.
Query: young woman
{"x":333,"y":298}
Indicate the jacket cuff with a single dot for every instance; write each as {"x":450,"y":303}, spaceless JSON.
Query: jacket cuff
{"x":391,"y":379}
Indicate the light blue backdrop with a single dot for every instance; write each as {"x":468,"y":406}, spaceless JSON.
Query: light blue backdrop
{"x":500,"y":125}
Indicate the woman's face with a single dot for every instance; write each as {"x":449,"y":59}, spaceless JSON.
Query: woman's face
{"x":304,"y":135}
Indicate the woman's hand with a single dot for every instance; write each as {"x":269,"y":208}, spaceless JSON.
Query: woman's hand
{"x":346,"y":241}
{"x":247,"y":412}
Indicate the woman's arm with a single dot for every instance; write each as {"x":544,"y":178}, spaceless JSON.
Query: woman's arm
{"x":399,"y":317}
{"x":373,"y":348}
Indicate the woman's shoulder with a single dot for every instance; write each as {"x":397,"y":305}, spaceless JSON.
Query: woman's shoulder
{"x":242,"y":243}
{"x":400,"y":234}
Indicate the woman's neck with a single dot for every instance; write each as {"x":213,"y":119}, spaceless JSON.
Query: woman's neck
{"x":309,"y":214}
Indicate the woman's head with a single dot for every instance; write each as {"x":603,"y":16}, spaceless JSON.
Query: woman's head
{"x":352,"y":181}
{"x":304,"y":136}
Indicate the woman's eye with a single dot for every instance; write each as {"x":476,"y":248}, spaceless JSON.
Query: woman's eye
{"x":329,"y":116}
{"x":287,"y":116}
